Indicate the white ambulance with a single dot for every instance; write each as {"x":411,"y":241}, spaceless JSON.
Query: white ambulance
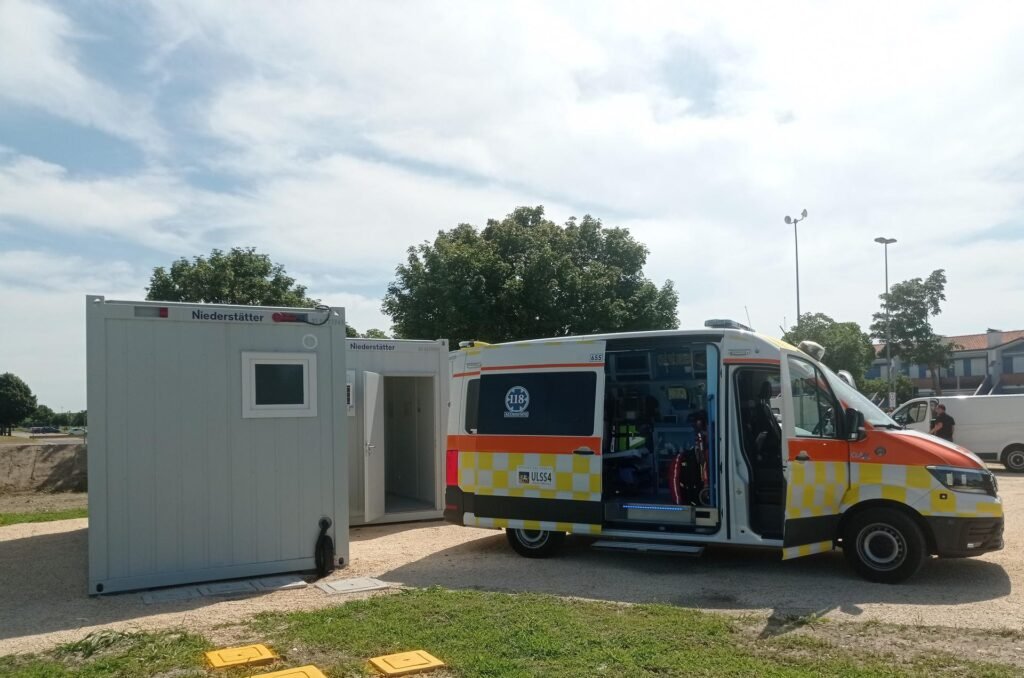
{"x":667,"y":441}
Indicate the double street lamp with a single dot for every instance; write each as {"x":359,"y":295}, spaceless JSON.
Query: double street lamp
{"x":885,"y":242}
{"x":796,"y":249}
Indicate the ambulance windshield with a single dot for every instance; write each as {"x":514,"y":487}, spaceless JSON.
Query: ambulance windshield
{"x":851,"y":397}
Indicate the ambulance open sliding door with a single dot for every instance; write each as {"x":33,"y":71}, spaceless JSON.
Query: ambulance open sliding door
{"x":816,"y":457}
{"x":373,"y":447}
{"x":537,"y":463}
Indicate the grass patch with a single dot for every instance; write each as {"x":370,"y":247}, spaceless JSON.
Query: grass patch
{"x":496,"y":636}
{"x":42,"y":516}
{"x":110,"y":653}
{"x":503,"y":635}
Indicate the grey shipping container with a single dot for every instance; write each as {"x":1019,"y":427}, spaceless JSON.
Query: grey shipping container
{"x":218,"y":440}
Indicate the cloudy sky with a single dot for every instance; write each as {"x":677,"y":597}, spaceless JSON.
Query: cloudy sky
{"x":334,"y":135}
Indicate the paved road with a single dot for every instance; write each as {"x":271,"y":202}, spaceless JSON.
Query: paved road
{"x":43,"y":568}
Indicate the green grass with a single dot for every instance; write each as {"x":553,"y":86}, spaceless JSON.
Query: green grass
{"x":110,"y":653}
{"x":497,"y":636}
{"x":42,"y":516}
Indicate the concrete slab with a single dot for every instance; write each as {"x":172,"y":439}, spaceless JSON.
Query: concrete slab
{"x":174,"y":595}
{"x":284,"y":582}
{"x":228,"y":588}
{"x":353,"y":585}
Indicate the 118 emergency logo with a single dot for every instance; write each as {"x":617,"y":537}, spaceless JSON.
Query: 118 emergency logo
{"x":517,"y":399}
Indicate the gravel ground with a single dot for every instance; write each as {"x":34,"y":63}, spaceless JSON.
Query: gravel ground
{"x":43,"y":566}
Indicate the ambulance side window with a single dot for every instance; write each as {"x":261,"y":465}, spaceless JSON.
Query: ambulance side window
{"x":538,"y":404}
{"x":815,"y":409}
{"x":472,"y":405}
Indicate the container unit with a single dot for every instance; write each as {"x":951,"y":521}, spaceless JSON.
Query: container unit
{"x":217,"y":441}
{"x":398,"y":405}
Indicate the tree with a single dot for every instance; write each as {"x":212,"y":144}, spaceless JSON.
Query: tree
{"x":847,"y":347}
{"x":374,"y":333}
{"x":41,"y":416}
{"x":16,"y":401}
{"x":242,"y":276}
{"x":525,"y":276}
{"x":875,"y":388}
{"x":911,"y":304}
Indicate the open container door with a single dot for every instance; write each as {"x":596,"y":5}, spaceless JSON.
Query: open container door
{"x":816,"y":458}
{"x":537,"y":464}
{"x":373,"y":447}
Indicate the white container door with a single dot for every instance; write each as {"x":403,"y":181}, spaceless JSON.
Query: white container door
{"x":373,"y":446}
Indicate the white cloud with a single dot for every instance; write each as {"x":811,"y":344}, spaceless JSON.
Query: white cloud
{"x":40,"y":69}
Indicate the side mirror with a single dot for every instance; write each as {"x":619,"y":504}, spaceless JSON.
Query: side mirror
{"x":855,"y":425}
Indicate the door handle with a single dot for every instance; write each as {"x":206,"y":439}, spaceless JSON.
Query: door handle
{"x":370,"y":447}
{"x":583,"y":451}
{"x":803,"y":456}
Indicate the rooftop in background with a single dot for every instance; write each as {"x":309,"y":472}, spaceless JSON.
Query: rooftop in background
{"x":973,"y":342}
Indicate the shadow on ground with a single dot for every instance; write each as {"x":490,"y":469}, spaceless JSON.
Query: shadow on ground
{"x":723,"y":579}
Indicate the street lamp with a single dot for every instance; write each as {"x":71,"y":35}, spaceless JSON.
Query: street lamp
{"x":796,"y":249}
{"x":885,"y":242}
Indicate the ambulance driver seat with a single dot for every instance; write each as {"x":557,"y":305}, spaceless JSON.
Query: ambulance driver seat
{"x":768,"y":485}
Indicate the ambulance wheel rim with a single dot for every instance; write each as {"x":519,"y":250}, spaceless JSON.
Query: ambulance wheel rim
{"x":882,"y":547}
{"x":532,"y":538}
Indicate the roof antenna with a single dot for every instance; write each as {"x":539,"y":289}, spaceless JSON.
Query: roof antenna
{"x":747,"y":311}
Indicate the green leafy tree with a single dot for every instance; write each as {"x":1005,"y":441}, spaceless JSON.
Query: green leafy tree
{"x":526,"y":276}
{"x":80,"y":418}
{"x":911,"y":304}
{"x":41,"y":416}
{"x":847,"y":346}
{"x":374,"y":333}
{"x":241,"y":276}
{"x":879,"y":389}
{"x":16,"y":402}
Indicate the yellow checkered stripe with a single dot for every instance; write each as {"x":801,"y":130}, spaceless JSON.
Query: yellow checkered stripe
{"x":820,"y":488}
{"x":806,"y":549}
{"x":916,"y":487}
{"x":575,"y":477}
{"x":551,"y":526}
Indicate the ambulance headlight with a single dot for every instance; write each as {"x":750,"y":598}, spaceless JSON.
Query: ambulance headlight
{"x":965,"y":480}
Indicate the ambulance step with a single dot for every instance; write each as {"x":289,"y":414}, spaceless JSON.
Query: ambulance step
{"x":644,"y":546}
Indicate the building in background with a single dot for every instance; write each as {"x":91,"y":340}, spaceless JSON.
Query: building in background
{"x":989,"y":363}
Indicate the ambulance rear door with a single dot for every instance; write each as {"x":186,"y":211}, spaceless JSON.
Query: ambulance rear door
{"x":816,"y":457}
{"x":540,"y":420}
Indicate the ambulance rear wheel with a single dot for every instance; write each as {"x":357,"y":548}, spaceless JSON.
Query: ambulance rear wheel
{"x":534,"y":543}
{"x":884,"y":545}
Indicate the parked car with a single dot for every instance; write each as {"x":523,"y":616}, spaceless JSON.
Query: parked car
{"x":77,"y":431}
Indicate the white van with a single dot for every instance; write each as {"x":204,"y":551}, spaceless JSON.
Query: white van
{"x":990,"y":426}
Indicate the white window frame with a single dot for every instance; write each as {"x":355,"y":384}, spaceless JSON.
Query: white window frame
{"x":250,"y":359}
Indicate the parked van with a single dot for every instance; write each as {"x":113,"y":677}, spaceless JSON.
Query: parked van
{"x":991,"y":426}
{"x":666,"y":441}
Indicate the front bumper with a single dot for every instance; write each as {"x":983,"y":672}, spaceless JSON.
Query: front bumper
{"x":965,"y":537}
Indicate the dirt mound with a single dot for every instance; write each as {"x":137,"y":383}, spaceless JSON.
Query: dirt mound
{"x":49,"y":467}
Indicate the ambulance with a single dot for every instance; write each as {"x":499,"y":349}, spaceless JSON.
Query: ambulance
{"x":670,"y":441}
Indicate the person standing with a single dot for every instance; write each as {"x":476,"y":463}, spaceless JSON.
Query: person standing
{"x":942,"y":425}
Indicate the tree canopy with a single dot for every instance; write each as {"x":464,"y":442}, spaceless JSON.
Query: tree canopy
{"x":526,"y":276}
{"x":16,"y":401}
{"x":240,"y":276}
{"x":847,"y":346}
{"x":911,"y":304}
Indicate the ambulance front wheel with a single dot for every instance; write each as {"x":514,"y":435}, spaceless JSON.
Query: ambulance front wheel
{"x":884,"y":545}
{"x":534,"y":543}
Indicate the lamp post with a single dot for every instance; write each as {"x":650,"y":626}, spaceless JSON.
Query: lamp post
{"x":885,"y":242}
{"x":796,"y":250}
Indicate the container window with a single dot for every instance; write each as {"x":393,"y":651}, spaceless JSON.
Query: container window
{"x":278,"y":384}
